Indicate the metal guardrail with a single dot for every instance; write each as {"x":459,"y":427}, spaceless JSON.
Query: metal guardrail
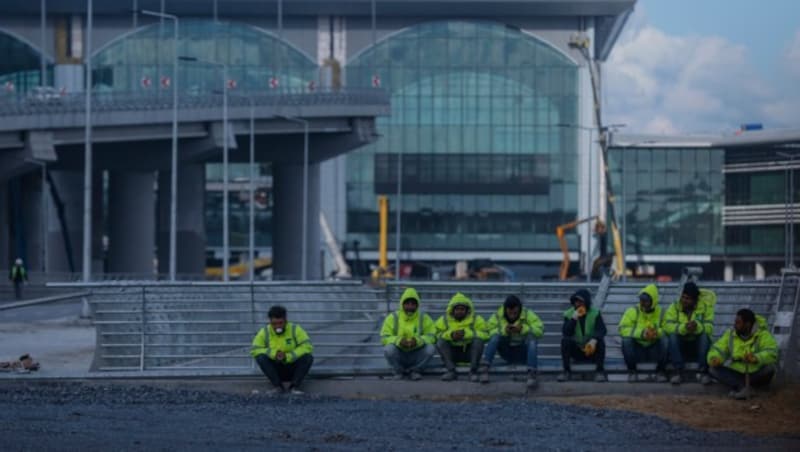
{"x":209,"y":326}
{"x":22,"y":105}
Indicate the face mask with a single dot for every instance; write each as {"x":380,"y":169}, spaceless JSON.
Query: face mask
{"x":279,"y":330}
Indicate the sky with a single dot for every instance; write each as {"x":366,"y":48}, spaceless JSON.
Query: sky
{"x":705,"y":67}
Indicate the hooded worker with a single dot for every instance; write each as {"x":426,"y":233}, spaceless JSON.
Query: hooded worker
{"x":282,"y":350}
{"x":643,"y":338}
{"x":583,"y":337}
{"x":745,"y":355}
{"x":461,"y":333}
{"x":408,"y":336}
{"x":514,"y":332}
{"x":689,"y":324}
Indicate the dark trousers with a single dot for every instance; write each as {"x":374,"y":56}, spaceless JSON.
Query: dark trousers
{"x":683,"y":347}
{"x":735,"y":380}
{"x":18,"y":289}
{"x":278,"y":372}
{"x":572,"y":350}
{"x":452,"y":354}
{"x":635,"y":353}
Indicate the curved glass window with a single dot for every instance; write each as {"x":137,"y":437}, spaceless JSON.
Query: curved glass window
{"x":253,"y":57}
{"x":19,"y":64}
{"x":476,"y":109}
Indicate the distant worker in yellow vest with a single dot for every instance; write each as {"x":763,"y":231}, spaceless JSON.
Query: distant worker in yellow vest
{"x":408,"y":336}
{"x":583,"y":337}
{"x":643,"y":338}
{"x":689,"y":324}
{"x":18,"y":275}
{"x":282,"y":350}
{"x":745,"y":352}
{"x":461,"y":333}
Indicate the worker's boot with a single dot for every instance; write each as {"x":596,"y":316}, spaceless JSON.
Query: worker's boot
{"x":450,"y":375}
{"x":484,"y":371}
{"x":676,"y":379}
{"x":632,"y":377}
{"x":743,"y":394}
{"x":564,"y":376}
{"x":532,"y":382}
{"x":415,"y":375}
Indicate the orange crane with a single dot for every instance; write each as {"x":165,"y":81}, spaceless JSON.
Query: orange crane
{"x":563,"y":272}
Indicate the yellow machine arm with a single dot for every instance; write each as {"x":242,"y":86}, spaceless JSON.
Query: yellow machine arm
{"x":563,"y":272}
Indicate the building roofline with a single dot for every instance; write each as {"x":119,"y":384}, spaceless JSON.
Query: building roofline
{"x":749,"y":138}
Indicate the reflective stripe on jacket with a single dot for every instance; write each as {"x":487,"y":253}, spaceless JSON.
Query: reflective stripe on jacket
{"x":731,"y":349}
{"x":675,"y":319}
{"x":531,"y":325}
{"x":294,"y":342}
{"x":399,"y":325}
{"x":473,"y":324}
{"x":635,"y":322}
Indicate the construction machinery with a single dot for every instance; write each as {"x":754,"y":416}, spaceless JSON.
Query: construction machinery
{"x":342,"y":269}
{"x":238,"y":270}
{"x":563,"y":272}
{"x":382,"y":271}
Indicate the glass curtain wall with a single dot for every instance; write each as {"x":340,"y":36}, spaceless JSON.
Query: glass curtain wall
{"x":19,"y":65}
{"x":253,"y":56}
{"x":671,"y":199}
{"x":476,"y":115}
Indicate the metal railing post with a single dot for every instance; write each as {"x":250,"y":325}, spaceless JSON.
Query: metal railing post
{"x":252,"y":315}
{"x":143,"y":326}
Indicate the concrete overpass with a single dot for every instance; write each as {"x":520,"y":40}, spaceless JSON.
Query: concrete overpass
{"x":132,"y":140}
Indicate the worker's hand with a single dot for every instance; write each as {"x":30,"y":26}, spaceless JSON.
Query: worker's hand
{"x":650,"y":334}
{"x":513,"y":329}
{"x":749,"y":357}
{"x":691,"y":326}
{"x":280,"y":356}
{"x":590,"y":347}
{"x":410,"y":342}
{"x":457,"y":335}
{"x":581,"y":311}
{"x":715,"y":362}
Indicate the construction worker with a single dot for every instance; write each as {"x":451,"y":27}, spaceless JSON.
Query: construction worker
{"x":461,"y":333}
{"x":18,"y":275}
{"x":282,"y":350}
{"x":745,"y":355}
{"x":514,"y":331}
{"x":689,"y":324}
{"x":643,"y":338}
{"x":584,"y":335}
{"x":408,"y":336}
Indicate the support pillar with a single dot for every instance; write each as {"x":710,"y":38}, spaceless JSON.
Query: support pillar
{"x":288,"y":222}
{"x":32,"y":221}
{"x":69,"y":208}
{"x":131,"y":219}
{"x":728,"y":272}
{"x":5,"y":259}
{"x":760,"y":273}
{"x":191,"y":231}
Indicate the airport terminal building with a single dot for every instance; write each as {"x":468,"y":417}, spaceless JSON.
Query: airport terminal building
{"x":489,"y":145}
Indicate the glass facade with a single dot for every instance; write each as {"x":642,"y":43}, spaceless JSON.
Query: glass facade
{"x":19,"y":64}
{"x":253,"y":56}
{"x":239,"y":205}
{"x":670,"y":200}
{"x":478,"y":110}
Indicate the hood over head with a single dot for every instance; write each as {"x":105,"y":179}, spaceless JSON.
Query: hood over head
{"x":584,"y":295}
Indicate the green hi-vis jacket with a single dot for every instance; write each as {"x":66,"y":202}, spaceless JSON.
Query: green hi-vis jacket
{"x":731,"y":349}
{"x":675,"y":319}
{"x":531,"y":325}
{"x":399,"y":325}
{"x":635,"y":322}
{"x":581,"y":336}
{"x":473,"y":324}
{"x":294,"y":342}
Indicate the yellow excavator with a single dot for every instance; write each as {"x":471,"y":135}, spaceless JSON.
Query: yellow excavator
{"x":600,"y":230}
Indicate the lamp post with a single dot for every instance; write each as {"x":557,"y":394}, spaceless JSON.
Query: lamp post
{"x":173,"y":201}
{"x":252,"y":228}
{"x":304,"y":243}
{"x":87,"y":158}
{"x":789,"y":210}
{"x":42,"y":37}
{"x":225,"y":188}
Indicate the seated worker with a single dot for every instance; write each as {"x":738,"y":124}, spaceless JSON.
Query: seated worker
{"x":460,"y":334}
{"x":643,"y":339}
{"x":282,"y":350}
{"x":513,"y":331}
{"x":689,"y":324}
{"x":584,"y":335}
{"x":745,"y":352}
{"x":408,"y":336}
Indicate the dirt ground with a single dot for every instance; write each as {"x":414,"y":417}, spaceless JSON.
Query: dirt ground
{"x":773,"y":413}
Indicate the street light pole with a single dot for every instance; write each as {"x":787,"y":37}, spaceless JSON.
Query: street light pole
{"x":87,"y":153}
{"x":42,"y":37}
{"x":173,"y":202}
{"x":252,"y":231}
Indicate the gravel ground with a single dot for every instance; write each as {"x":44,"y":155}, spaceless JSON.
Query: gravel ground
{"x":92,"y":416}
